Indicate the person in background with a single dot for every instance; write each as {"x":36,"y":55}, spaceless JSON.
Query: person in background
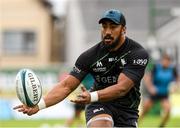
{"x":157,"y":82}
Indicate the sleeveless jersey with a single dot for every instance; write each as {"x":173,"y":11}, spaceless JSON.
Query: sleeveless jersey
{"x":162,"y":77}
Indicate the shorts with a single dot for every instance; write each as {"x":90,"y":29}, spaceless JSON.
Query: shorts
{"x":121,"y":117}
{"x":159,"y":97}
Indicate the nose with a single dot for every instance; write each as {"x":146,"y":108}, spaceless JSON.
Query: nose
{"x":108,"y":31}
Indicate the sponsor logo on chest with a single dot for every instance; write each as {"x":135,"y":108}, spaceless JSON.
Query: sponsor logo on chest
{"x":106,"y":79}
{"x":123,"y":63}
{"x":113,"y":59}
{"x":99,"y":67}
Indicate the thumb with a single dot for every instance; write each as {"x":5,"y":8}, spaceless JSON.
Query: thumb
{"x":83,"y":88}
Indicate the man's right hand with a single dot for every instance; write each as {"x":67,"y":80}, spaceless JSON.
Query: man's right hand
{"x":27,"y":110}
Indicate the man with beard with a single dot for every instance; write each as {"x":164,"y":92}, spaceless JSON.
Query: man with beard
{"x":117,"y":64}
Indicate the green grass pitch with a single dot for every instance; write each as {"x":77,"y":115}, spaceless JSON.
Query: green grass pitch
{"x":149,"y":121}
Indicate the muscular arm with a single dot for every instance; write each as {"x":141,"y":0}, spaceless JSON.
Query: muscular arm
{"x":57,"y":94}
{"x":148,"y":80}
{"x":148,"y":83}
{"x":115,"y":91}
{"x":120,"y":89}
{"x":61,"y":90}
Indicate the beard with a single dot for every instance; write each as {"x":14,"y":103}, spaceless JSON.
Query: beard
{"x":113,"y":45}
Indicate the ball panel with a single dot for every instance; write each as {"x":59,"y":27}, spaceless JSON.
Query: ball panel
{"x":28,"y":87}
{"x":28,"y":100}
{"x":19,"y":88}
{"x":35,"y":91}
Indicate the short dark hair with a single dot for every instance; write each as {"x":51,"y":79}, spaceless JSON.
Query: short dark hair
{"x":165,"y":56}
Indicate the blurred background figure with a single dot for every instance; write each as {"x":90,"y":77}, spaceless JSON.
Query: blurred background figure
{"x":157,"y":82}
{"x":78,"y":119}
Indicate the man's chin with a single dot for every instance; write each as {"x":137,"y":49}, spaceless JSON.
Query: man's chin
{"x":108,"y":46}
{"x":109,"y":43}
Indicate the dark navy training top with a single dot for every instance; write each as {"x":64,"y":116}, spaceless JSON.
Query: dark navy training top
{"x":105,"y":66}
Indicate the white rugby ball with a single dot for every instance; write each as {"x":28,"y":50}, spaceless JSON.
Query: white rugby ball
{"x":28,"y":87}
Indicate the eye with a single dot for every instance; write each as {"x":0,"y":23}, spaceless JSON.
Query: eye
{"x":113,"y":26}
{"x":104,"y":26}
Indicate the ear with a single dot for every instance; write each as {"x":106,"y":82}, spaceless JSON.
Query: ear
{"x":124,"y":30}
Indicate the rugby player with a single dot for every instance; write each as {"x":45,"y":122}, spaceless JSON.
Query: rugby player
{"x":117,"y":64}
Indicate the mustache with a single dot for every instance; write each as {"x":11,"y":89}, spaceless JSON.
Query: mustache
{"x":108,"y":37}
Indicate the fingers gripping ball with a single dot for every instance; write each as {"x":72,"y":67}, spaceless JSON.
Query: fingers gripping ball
{"x":28,"y":87}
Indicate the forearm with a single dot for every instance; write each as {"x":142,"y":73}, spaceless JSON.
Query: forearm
{"x":149,"y":86}
{"x":61,"y":91}
{"x":57,"y":94}
{"x":115,"y":91}
{"x":110,"y":93}
{"x":148,"y":81}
